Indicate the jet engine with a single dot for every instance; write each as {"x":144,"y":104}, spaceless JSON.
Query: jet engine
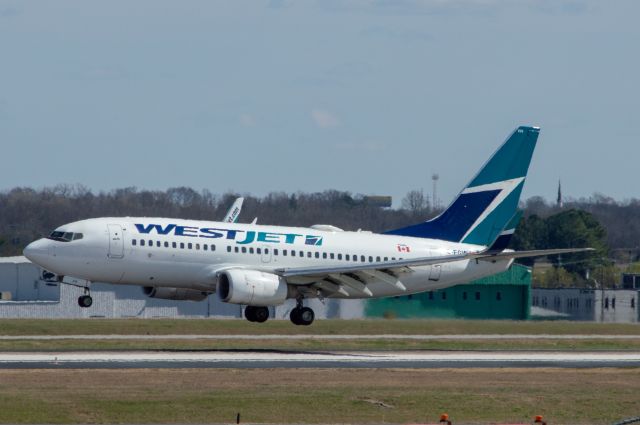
{"x":251,"y":287}
{"x":181,"y":294}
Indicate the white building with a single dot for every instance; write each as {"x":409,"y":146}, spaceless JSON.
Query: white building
{"x":599,"y":305}
{"x":26,"y":295}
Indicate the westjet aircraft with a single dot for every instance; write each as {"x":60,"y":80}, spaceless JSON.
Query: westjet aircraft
{"x":260,"y":266}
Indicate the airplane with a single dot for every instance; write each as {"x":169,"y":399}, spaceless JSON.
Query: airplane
{"x":259,"y":266}
{"x":234,"y":211}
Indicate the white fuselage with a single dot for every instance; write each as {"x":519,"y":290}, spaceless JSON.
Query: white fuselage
{"x":189,"y":254}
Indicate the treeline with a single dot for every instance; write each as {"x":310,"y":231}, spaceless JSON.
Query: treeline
{"x":613,"y":228}
{"x":27,"y":214}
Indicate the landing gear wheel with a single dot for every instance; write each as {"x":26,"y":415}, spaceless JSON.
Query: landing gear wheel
{"x":249,"y":313}
{"x":85,"y":301}
{"x":256,"y":314}
{"x":261,"y":314}
{"x":302,"y":316}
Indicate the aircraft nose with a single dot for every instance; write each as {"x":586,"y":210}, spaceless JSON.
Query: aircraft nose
{"x":37,"y":251}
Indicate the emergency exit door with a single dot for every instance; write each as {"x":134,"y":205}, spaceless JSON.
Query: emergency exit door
{"x":116,"y":241}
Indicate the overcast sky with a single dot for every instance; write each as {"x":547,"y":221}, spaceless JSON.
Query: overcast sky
{"x":372,"y":97}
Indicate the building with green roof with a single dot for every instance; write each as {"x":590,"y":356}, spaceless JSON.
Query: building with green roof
{"x":506,"y":295}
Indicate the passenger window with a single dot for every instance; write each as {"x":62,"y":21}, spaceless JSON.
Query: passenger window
{"x":293,"y":253}
{"x":431,"y":295}
{"x":205,"y":246}
{"x":393,"y":258}
{"x":370,"y":259}
{"x":166,"y":244}
{"x":190,"y":245}
{"x":346,"y":257}
{"x":362,"y":258}
{"x":444,"y":295}
{"x":213,"y":247}
{"x":181,"y":245}
{"x":317,"y":255}
{"x":251,"y":250}
{"x":158,"y":244}
{"x":498,"y":296}
{"x":284,"y":252}
{"x":244,"y":249}
{"x":150,"y":243}
{"x":259,"y":251}
{"x":133,"y":242}
{"x":377,"y":259}
{"x":478,"y":296}
{"x":309,"y":254}
{"x":324,"y":255}
{"x":275,"y":251}
{"x":386,"y":258}
{"x":266,"y":251}
{"x":355,"y":258}
{"x":235,"y":248}
{"x":197,"y":246}
{"x":229,"y":249}
{"x":301,"y":253}
{"x":174,"y":245}
{"x":141,"y":242}
{"x":339,"y":256}
{"x":464,"y":295}
{"x":332,"y":256}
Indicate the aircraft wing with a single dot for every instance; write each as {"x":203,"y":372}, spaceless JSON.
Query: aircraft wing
{"x":526,"y":254}
{"x":356,"y":267}
{"x":332,"y":279}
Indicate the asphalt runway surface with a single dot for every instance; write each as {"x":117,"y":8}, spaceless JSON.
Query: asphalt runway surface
{"x":267,"y":337}
{"x":286,"y":359}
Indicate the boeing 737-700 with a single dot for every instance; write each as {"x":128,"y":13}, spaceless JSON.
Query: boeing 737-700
{"x":260,"y":266}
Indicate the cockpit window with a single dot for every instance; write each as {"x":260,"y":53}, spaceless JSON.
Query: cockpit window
{"x":65,"y":236}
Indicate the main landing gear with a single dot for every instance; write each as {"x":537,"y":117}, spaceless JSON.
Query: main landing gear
{"x":300,"y":315}
{"x":256,"y":314}
{"x":85,"y":301}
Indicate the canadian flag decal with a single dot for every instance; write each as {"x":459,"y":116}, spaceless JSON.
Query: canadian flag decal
{"x":403,"y":248}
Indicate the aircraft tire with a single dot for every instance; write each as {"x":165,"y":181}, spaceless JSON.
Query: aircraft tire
{"x":250,"y":313}
{"x":85,"y":301}
{"x":306,"y":316}
{"x":295,"y":316}
{"x":260,"y":314}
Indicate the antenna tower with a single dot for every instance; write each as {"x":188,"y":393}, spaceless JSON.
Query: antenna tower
{"x":435,"y":177}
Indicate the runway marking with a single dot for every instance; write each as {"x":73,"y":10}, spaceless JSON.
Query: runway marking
{"x":323,"y":337}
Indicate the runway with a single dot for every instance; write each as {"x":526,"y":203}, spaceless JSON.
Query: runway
{"x":267,"y":337}
{"x":283,"y":359}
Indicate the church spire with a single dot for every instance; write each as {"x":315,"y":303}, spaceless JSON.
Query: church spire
{"x":559,"y":203}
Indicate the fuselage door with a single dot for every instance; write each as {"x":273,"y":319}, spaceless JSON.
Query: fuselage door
{"x":436,"y":270}
{"x":116,"y":241}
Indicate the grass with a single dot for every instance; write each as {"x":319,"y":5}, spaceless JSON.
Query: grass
{"x":320,"y":327}
{"x":479,"y":396}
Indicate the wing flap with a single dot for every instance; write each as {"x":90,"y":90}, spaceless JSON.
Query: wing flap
{"x":505,"y":255}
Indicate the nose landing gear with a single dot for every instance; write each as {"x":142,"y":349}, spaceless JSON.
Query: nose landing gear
{"x":85,"y":301}
{"x":300,"y":315}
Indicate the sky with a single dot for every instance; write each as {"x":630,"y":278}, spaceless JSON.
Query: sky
{"x":367,"y":96}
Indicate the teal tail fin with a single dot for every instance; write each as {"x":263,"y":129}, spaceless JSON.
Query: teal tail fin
{"x":485,"y":206}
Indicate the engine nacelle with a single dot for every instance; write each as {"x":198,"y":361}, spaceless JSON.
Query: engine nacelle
{"x":251,"y":287}
{"x":180,"y":294}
